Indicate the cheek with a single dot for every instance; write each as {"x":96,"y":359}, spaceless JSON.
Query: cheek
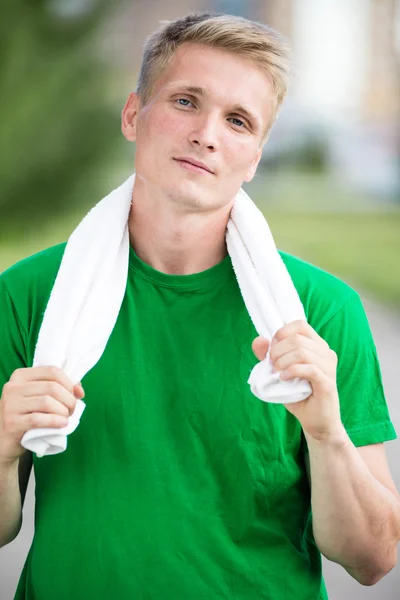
{"x":164,"y":125}
{"x":240,"y":155}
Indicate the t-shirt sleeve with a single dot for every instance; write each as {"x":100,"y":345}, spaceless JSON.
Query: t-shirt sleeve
{"x":12,"y":337}
{"x":363,"y":406}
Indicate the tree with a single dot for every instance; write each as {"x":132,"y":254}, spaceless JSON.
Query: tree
{"x":57,"y":122}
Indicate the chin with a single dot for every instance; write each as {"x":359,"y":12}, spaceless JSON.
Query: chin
{"x":194,"y":201}
{"x":190,"y":195}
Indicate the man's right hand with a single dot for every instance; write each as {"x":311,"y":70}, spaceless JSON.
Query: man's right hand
{"x":34,"y":398}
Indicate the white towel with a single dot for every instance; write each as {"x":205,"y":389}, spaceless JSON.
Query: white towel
{"x":90,"y":285}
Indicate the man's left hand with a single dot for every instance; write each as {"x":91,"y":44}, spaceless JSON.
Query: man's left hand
{"x":298,"y":351}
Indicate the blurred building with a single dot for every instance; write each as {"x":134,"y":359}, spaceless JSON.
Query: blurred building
{"x":367,"y":148}
{"x":346,"y":86}
{"x":382,"y":89}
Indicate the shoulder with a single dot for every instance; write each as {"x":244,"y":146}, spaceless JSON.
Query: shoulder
{"x":25,"y":288}
{"x":35,"y":272}
{"x":322,"y":294}
{"x":28,"y":283}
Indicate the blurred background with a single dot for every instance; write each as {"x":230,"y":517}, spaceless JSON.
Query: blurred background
{"x":329,"y":181}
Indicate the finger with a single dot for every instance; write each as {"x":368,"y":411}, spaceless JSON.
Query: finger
{"x":301,"y":327}
{"x":260,"y":347}
{"x":45,"y":404}
{"x":43,"y":374}
{"x":306,"y":371}
{"x":293,"y":342}
{"x":38,"y":420}
{"x":18,"y":426}
{"x":47,"y":388}
{"x":301,"y":356}
{"x":79,"y":391}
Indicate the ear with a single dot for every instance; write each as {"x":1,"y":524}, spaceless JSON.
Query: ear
{"x":129,"y":117}
{"x":253,"y":167}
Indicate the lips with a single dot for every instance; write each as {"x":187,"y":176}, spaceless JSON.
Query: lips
{"x":195,"y":163}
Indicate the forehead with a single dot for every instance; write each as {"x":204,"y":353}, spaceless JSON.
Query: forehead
{"x":228,"y":78}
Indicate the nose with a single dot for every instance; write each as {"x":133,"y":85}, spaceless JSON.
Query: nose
{"x":204,"y":133}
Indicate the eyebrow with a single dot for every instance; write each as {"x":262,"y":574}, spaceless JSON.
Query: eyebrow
{"x":237,"y":108}
{"x":193,"y":89}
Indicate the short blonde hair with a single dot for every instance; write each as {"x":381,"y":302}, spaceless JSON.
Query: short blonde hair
{"x":256,"y":41}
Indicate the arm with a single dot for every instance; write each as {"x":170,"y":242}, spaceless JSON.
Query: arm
{"x":36,"y":397}
{"x":356,"y":516}
{"x":31,"y":397}
{"x":24,"y":471}
{"x":14,"y":479}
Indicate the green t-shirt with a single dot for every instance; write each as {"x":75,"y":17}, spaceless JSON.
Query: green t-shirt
{"x":179,"y":483}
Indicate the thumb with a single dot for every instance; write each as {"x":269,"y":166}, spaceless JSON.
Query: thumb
{"x":260,"y":347}
{"x":78,"y":391}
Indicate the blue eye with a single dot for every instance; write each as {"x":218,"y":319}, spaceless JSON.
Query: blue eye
{"x":237,"y":122}
{"x":184,"y":100}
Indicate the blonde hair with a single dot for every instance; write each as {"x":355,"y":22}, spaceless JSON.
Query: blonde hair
{"x":249,"y":39}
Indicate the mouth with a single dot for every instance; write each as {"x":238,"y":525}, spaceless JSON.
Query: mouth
{"x":193,"y":165}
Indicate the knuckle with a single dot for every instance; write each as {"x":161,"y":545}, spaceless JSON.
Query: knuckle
{"x":47,"y":403}
{"x":303,"y":354}
{"x":53,"y":371}
{"x":52,"y":388}
{"x":17,"y":374}
{"x":315,"y":372}
{"x":298,"y":338}
{"x":8,"y":388}
{"x":34,"y":420}
{"x":307,"y":329}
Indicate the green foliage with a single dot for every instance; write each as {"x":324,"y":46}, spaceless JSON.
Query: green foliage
{"x":361,"y":248}
{"x":56,"y":120}
{"x":310,"y":156}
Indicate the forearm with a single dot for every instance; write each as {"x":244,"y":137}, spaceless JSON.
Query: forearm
{"x":356,"y":520}
{"x":10,"y":503}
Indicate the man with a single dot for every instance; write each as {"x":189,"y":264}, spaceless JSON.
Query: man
{"x":179,"y":483}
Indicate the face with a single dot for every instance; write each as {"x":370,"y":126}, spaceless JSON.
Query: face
{"x":198,"y":138}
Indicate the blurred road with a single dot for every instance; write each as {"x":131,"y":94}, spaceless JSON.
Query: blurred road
{"x":386,"y":329}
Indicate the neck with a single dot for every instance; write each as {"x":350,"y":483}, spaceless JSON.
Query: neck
{"x":174,"y":239}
